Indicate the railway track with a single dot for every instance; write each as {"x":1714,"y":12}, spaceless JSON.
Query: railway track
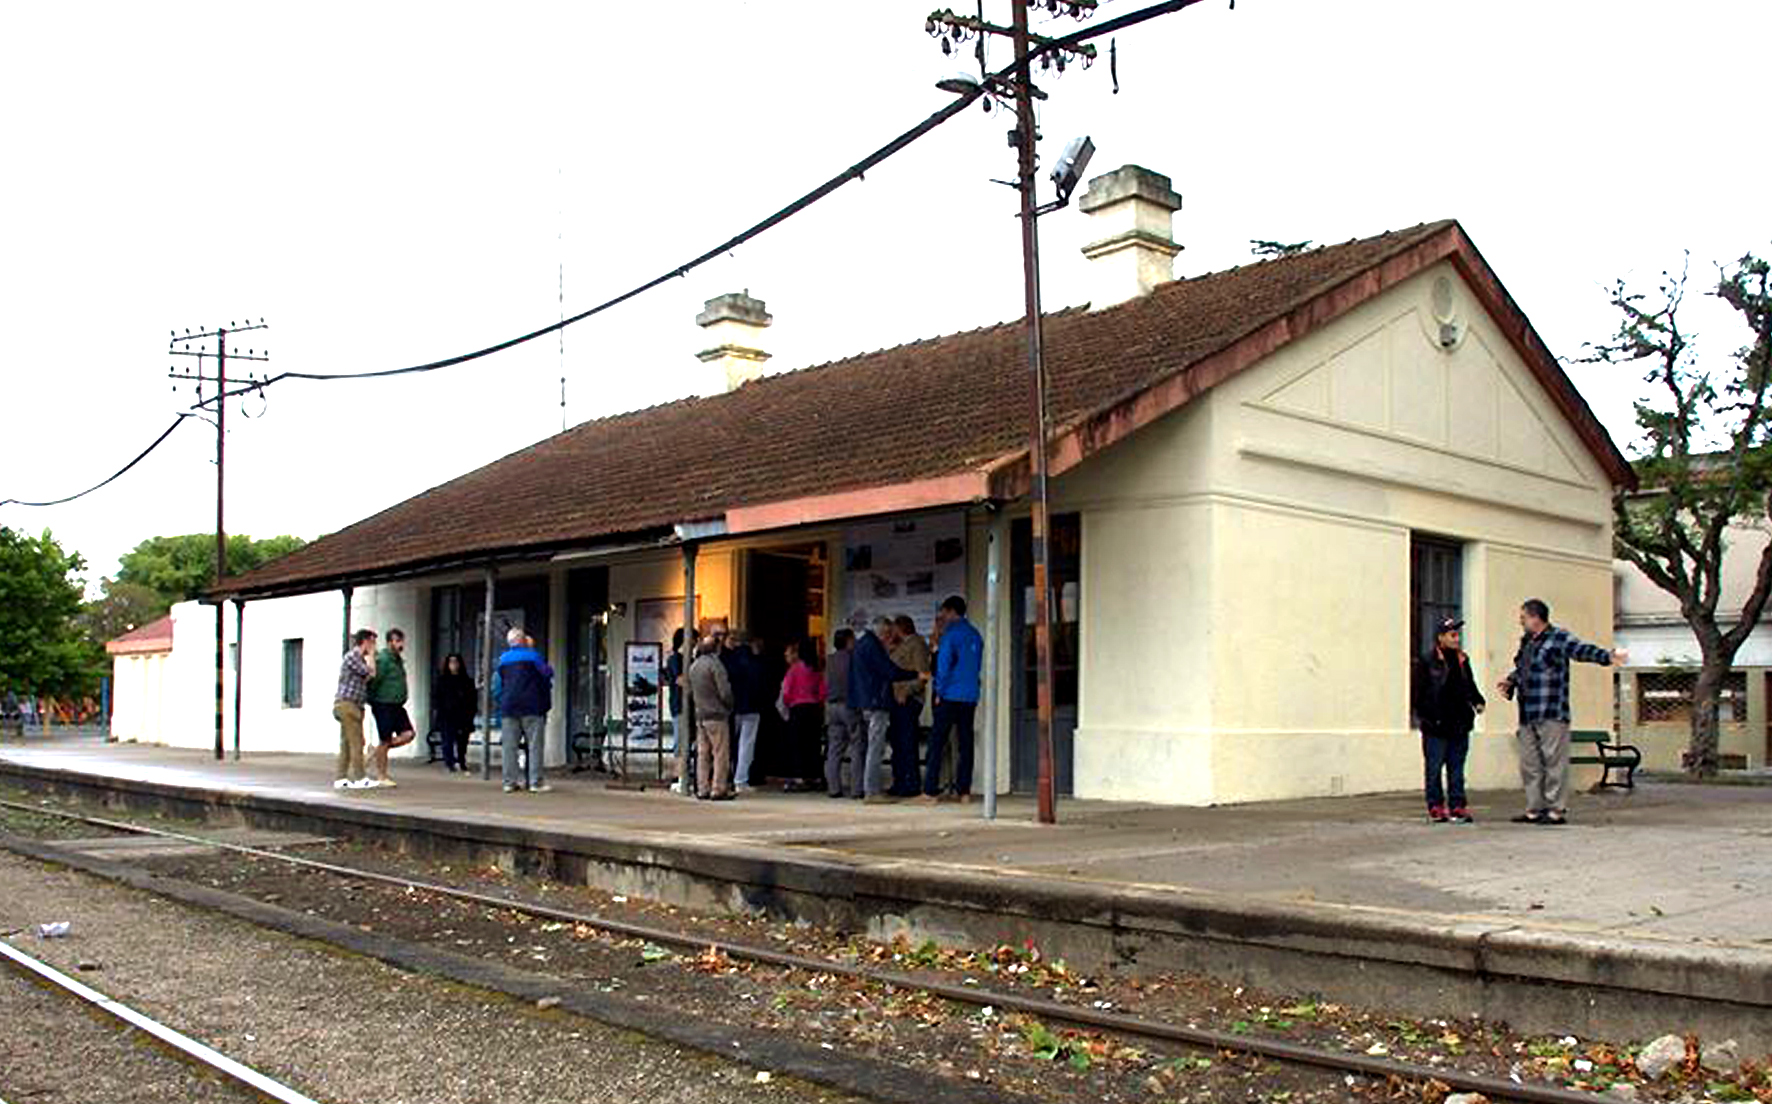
{"x":256,"y":1085}
{"x":1086,"y":1018}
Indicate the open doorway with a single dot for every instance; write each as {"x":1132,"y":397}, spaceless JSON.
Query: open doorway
{"x":783,"y":594}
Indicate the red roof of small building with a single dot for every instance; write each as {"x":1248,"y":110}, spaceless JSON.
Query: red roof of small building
{"x":155,"y":636}
{"x":956,"y":409}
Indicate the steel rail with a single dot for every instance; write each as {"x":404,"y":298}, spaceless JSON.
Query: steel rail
{"x":1495,"y":1088}
{"x":185,"y":1046}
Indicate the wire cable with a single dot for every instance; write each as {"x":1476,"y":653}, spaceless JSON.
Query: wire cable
{"x":857,"y":171}
{"x":143,"y":455}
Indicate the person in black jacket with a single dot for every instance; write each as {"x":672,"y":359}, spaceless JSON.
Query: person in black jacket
{"x":457,"y":700}
{"x":1445,"y":700}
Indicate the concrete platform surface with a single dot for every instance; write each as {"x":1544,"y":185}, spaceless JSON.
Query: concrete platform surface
{"x":1667,"y":863}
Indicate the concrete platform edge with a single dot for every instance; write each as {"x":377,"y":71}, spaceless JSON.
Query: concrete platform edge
{"x":1536,"y":978}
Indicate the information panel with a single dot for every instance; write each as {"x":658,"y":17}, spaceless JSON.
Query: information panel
{"x":904,"y":565}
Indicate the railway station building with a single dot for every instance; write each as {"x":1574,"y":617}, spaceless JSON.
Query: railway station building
{"x":1267,"y":483}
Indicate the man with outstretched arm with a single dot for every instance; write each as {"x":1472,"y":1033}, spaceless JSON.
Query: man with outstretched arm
{"x":1539,"y":683}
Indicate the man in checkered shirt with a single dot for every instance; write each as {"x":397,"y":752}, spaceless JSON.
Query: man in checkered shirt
{"x":1539,"y":682}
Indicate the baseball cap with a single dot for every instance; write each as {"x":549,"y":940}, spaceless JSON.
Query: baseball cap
{"x":1447,"y":624}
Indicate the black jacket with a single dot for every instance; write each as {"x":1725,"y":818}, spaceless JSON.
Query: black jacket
{"x":457,"y":700}
{"x":745,"y":671}
{"x":1443,"y":696}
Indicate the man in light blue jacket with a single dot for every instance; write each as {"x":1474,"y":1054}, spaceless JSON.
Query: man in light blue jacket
{"x":957,"y":661}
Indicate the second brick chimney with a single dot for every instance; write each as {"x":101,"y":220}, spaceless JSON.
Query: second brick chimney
{"x":1134,"y":248}
{"x":734,"y":323}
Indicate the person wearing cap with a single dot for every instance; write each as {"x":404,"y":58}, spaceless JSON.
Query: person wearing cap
{"x":1445,"y":700}
{"x":1540,"y":683}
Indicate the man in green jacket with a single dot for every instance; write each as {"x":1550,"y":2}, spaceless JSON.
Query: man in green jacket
{"x":387,"y":702}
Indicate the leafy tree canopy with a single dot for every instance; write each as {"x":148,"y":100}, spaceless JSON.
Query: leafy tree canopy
{"x":42,"y":649}
{"x":183,"y":567}
{"x":124,"y":606}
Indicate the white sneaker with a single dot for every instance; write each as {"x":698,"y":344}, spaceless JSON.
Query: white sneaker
{"x":543,"y":788}
{"x":677,"y":786}
{"x":341,"y":783}
{"x":363,"y":784}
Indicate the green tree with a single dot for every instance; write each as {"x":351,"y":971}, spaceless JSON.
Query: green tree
{"x":1704,"y":468}
{"x":123,"y":606}
{"x":183,"y":567}
{"x":42,"y":648}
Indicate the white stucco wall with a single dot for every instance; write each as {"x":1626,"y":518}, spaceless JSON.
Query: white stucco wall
{"x":1247,"y":559}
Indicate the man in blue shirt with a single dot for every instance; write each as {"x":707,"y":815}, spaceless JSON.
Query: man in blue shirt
{"x":957,"y":661}
{"x":1540,"y":683}
{"x":524,"y":685}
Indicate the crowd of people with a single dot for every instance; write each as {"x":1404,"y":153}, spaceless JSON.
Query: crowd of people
{"x":374,"y":682}
{"x":850,"y":721}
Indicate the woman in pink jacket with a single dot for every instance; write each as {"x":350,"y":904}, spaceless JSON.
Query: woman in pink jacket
{"x":802,"y":696}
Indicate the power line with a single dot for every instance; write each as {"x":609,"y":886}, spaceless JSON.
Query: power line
{"x":856,"y":171}
{"x":143,"y":455}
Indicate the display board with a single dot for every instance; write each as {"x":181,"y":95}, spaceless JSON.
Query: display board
{"x":903,"y":565}
{"x":641,"y":677}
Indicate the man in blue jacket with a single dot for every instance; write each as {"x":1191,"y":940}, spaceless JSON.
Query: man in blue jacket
{"x":871,"y":675}
{"x":524,"y":684}
{"x":957,"y":661}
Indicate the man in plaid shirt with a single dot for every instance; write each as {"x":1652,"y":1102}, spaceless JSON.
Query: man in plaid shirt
{"x":347,"y":708}
{"x":1539,"y":682}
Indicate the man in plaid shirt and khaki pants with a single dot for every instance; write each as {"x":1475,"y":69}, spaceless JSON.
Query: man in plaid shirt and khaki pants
{"x":1540,"y":684}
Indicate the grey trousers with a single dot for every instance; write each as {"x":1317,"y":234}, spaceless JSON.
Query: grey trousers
{"x":879,"y":724}
{"x":845,"y":736}
{"x":1544,"y":764}
{"x":531,"y":729}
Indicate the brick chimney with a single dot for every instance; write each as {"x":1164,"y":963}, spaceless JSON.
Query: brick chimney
{"x":1132,"y":210}
{"x":735,"y":323}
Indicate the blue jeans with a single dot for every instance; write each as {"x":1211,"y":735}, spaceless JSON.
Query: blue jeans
{"x":954,"y":716}
{"x":513,"y":732}
{"x":1445,"y":753}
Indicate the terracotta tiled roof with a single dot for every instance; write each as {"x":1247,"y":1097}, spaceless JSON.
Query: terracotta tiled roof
{"x":155,"y":636}
{"x":950,"y":405}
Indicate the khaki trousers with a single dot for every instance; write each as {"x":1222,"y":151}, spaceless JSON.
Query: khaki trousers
{"x":1543,"y":747}
{"x":349,"y":715}
{"x":713,"y":757}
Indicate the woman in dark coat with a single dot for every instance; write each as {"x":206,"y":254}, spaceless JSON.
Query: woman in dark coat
{"x":1446,"y":701}
{"x":457,"y":700}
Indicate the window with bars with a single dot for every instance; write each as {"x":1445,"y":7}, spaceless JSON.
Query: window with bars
{"x":1666,"y":696}
{"x":292,"y":674}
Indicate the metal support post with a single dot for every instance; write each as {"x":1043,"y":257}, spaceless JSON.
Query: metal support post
{"x":486,"y":680}
{"x":993,"y":642}
{"x":239,"y":666}
{"x":689,"y":626}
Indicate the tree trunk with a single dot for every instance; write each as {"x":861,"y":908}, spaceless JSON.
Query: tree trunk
{"x":1701,"y":755}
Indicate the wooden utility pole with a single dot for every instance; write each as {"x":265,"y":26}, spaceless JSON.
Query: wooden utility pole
{"x":192,"y":345}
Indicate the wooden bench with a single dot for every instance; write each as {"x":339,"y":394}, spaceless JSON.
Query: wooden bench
{"x":1606,"y":755}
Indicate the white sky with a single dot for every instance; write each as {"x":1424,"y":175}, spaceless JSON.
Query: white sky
{"x":393,"y":183}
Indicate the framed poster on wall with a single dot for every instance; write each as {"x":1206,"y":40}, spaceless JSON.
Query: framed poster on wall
{"x":642,"y":676}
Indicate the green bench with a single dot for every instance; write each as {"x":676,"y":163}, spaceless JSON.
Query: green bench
{"x":1606,"y":755}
